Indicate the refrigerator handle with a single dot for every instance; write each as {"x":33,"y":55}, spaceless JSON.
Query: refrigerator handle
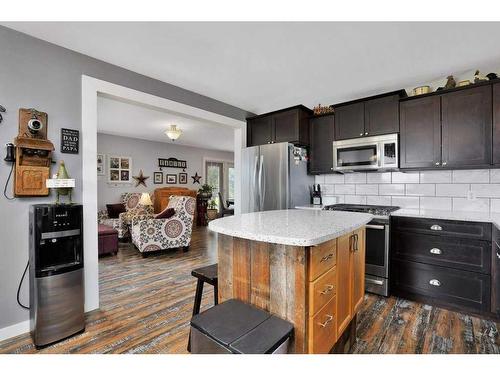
{"x":254,"y":182}
{"x":261,"y":201}
{"x":263,"y":185}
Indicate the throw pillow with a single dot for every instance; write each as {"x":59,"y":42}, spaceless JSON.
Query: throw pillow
{"x":165,"y":214}
{"x":115,"y":209}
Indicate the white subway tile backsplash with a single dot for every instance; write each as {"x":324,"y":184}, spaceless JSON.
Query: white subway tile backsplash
{"x":486,"y":190}
{"x":435,"y":177}
{"x":379,"y":178}
{"x":335,"y":178}
{"x":355,"y":178}
{"x":378,"y":200}
{"x":406,"y":202}
{"x":355,"y":199}
{"x":370,"y":189}
{"x":327,"y":189}
{"x":391,"y":189}
{"x":438,"y":190}
{"x":405,"y":177}
{"x":435,"y":203}
{"x":495,"y":205}
{"x":464,"y":204}
{"x":421,"y":189}
{"x":471,"y":176}
{"x":319,"y":179}
{"x":452,"y":190}
{"x":345,"y":189}
{"x":495,"y":176}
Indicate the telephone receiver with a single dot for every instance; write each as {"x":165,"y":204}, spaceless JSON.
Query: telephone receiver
{"x":10,"y":155}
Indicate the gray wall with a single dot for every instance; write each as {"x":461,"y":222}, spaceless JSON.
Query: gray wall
{"x":37,"y":74}
{"x":145,"y":156}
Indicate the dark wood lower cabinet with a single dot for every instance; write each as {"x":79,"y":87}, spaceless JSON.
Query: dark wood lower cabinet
{"x":441,"y":285}
{"x":446,"y":263}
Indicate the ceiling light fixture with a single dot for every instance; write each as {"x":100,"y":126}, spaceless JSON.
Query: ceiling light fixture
{"x":173,"y":132}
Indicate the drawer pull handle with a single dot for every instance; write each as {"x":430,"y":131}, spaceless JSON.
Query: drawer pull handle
{"x":435,"y":282}
{"x":328,"y":289}
{"x":436,"y":227}
{"x":328,"y":320}
{"x":326,"y":258}
{"x":435,"y":250}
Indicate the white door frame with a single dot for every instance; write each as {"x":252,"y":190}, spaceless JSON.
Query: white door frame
{"x":91,"y":88}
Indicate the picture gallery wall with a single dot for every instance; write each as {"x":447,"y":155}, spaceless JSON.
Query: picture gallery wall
{"x":119,"y":159}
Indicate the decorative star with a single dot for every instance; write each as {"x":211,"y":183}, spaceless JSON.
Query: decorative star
{"x":141,"y":179}
{"x":196,"y":178}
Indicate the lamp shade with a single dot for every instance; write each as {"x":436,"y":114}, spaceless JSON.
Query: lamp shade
{"x":145,"y":200}
{"x":173,"y":132}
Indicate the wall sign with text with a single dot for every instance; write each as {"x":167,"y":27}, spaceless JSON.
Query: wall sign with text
{"x":172,"y":163}
{"x":70,"y":140}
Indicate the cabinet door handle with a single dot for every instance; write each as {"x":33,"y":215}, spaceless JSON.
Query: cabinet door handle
{"x":366,"y":133}
{"x":329,"y":318}
{"x":328,"y":289}
{"x":444,"y":163}
{"x":356,"y":238}
{"x":436,"y":227}
{"x":360,"y":134}
{"x":326,"y":257}
{"x":435,"y":282}
{"x":435,"y":250}
{"x":437,"y":163}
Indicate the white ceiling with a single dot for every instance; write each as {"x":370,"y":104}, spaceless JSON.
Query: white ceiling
{"x":265,"y":66}
{"x":136,"y":121}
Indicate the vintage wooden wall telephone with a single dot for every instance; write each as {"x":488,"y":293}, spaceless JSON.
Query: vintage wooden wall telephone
{"x":32,"y":154}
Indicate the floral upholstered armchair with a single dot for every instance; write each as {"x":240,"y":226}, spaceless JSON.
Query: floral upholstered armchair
{"x":161,"y":234}
{"x":133,"y":210}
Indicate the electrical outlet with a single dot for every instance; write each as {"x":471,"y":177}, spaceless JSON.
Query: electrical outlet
{"x":470,"y":195}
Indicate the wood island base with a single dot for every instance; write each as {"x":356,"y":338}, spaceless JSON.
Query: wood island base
{"x":319,"y":289}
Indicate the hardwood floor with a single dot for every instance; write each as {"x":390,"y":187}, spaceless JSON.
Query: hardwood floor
{"x":146,"y":305}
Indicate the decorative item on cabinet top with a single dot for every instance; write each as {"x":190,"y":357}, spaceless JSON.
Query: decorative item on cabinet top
{"x":33,"y":154}
{"x":322,"y":110}
{"x":421,"y":90}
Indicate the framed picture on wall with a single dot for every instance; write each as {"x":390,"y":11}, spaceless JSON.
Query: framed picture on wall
{"x":183,"y":178}
{"x":158,"y":178}
{"x":120,"y":169}
{"x":101,"y":159}
{"x":171,"y":178}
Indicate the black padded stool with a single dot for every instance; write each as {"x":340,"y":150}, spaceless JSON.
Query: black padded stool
{"x":204,"y":275}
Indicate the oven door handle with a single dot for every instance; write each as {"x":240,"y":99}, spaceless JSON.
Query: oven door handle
{"x":373,"y":281}
{"x":372,"y":226}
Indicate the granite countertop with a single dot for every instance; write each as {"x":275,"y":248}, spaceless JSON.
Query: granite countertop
{"x":483,"y":217}
{"x":290,"y":227}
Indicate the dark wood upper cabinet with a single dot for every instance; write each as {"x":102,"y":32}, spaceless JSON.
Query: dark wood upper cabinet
{"x":420,"y":133}
{"x":260,"y":131}
{"x":350,"y":121}
{"x":466,"y":119}
{"x":321,"y":132}
{"x":382,"y":115}
{"x":288,"y":125}
{"x":496,"y":124}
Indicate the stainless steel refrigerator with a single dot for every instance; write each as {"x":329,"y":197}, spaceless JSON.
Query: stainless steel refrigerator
{"x":274,"y":177}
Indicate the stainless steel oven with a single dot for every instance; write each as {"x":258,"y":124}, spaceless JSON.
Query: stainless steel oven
{"x":367,"y":153}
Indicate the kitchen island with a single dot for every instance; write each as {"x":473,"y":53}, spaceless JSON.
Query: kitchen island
{"x":305,"y":266}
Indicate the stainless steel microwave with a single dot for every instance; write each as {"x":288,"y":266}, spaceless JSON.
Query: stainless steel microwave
{"x":367,"y":153}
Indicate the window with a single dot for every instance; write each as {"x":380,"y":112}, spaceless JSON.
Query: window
{"x":220,"y":176}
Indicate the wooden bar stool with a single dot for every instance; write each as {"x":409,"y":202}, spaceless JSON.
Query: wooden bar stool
{"x":207,"y":274}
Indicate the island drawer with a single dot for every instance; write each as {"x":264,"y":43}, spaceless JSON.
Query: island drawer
{"x":460,"y":253}
{"x":322,"y":258}
{"x":441,"y":285}
{"x":323,"y":329}
{"x":445,"y":228}
{"x":322,"y":290}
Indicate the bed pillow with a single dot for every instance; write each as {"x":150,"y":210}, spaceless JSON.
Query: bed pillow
{"x":165,"y":214}
{"x":114,"y":210}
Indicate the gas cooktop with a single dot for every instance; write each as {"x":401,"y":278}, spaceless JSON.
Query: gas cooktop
{"x":371,"y":209}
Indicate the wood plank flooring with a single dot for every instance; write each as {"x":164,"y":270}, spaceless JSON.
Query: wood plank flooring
{"x":146,"y":305}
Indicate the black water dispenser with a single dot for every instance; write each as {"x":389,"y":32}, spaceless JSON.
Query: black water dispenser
{"x":56,"y":272}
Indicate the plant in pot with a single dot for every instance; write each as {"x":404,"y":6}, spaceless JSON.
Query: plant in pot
{"x":205,"y":191}
{"x":212,"y":212}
